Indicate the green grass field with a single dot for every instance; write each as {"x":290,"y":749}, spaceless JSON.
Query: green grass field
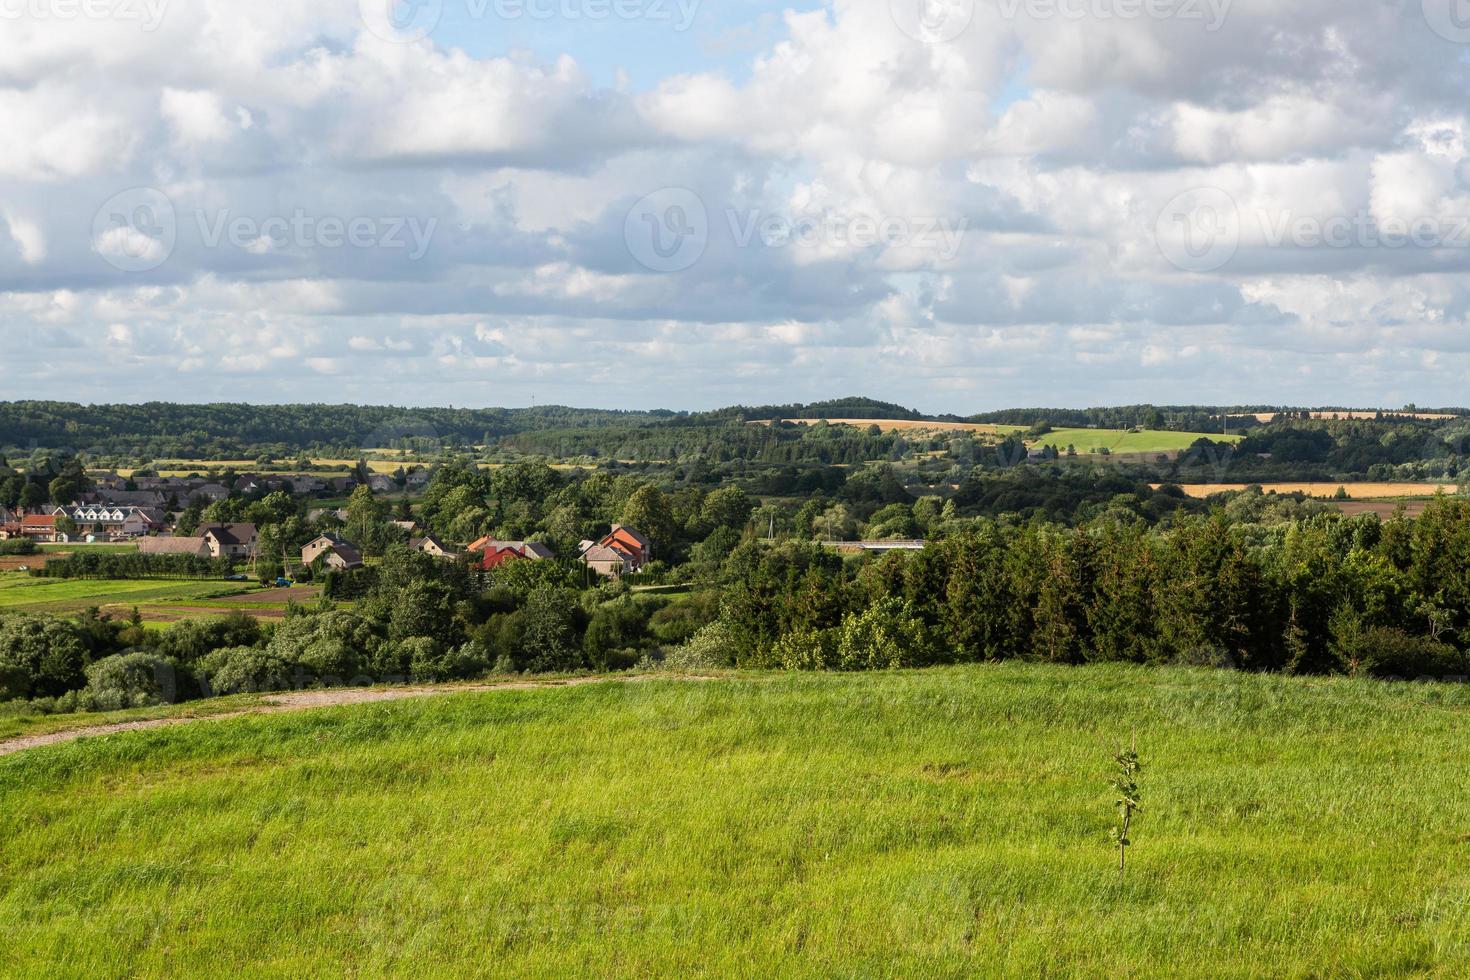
{"x":1090,"y":441}
{"x":21,"y":593}
{"x":942,"y":823}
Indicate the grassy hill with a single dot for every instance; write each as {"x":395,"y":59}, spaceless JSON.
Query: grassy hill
{"x":941,"y":823}
{"x":1125,"y":441}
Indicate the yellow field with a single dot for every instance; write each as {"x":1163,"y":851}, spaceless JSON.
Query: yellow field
{"x":1369,"y":415}
{"x":1357,"y":491}
{"x":905,"y":425}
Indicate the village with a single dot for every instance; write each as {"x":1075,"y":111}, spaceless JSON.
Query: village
{"x":146,"y":512}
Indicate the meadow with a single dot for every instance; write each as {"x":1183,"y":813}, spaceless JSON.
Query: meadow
{"x":939,"y":823}
{"x":158,"y":599}
{"x":1090,"y":441}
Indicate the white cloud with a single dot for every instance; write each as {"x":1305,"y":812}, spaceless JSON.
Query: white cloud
{"x":1054,"y":142}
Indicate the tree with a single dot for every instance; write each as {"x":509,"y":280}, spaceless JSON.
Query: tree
{"x":727,"y":507}
{"x":648,"y":512}
{"x":364,"y":513}
{"x":549,"y":638}
{"x":40,"y":657}
{"x":31,"y":496}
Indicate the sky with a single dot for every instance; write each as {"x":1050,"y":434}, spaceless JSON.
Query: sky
{"x":958,"y":205}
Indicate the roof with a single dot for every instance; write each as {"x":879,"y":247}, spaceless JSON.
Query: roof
{"x":38,"y":520}
{"x":347,"y":553}
{"x":171,"y":546}
{"x":638,"y":539}
{"x":228,"y":534}
{"x":600,"y":553}
{"x":418,"y":543}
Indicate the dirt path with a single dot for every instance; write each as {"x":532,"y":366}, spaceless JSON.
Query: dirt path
{"x":306,"y":700}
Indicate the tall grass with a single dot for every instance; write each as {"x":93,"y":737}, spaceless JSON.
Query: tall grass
{"x":940,"y":823}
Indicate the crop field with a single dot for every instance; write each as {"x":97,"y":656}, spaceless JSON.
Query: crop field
{"x":1119,"y":441}
{"x":1368,"y":415}
{"x":155,"y":598}
{"x":940,"y":823}
{"x":905,"y":425}
{"x":341,"y":467}
{"x":1356,"y":491}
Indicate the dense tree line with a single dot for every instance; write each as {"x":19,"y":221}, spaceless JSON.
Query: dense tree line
{"x":133,"y":565}
{"x":1321,"y":594}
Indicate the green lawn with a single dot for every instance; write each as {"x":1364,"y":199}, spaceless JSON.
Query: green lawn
{"x":73,"y":548}
{"x":943,"y":823}
{"x":1123,"y":441}
{"x":21,"y":593}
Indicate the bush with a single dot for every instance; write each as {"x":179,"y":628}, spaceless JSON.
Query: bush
{"x":191,"y":640}
{"x":713,"y":647}
{"x":429,"y":660}
{"x":40,"y":657}
{"x":807,"y":650}
{"x":331,"y":660}
{"x":133,"y":680}
{"x":1382,"y":652}
{"x":246,"y":670}
{"x":885,"y":636}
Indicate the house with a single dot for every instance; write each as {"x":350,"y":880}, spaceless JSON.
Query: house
{"x":211,"y":492}
{"x":431,"y":545}
{"x":343,"y":558}
{"x":41,"y":528}
{"x":418,"y":478}
{"x":230,"y":540}
{"x":496,"y":553}
{"x":623,"y":552}
{"x":175,"y":546}
{"x":115,"y":520}
{"x":378,"y":483}
{"x":333,"y":551}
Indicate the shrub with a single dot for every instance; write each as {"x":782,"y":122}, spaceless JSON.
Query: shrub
{"x":133,"y":680}
{"x":1383,"y":652}
{"x":40,"y":657}
{"x":807,"y":650}
{"x":331,"y":660}
{"x":246,"y":670}
{"x":333,"y":643}
{"x":887,"y":635}
{"x":713,"y":647}
{"x":191,"y":640}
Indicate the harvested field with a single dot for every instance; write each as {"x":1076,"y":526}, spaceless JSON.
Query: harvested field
{"x":908,"y":425}
{"x":1357,"y":491}
{"x":1366,"y":415}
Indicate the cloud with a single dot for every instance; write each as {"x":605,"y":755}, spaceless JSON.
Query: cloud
{"x":416,"y":223}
